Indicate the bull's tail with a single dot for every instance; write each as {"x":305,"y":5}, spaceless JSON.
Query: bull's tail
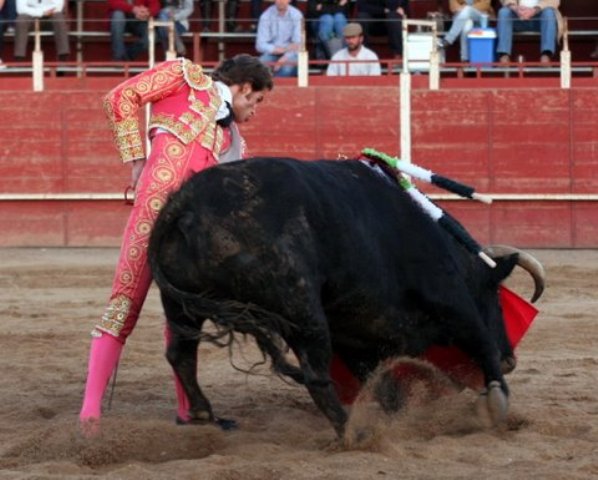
{"x":228,"y":316}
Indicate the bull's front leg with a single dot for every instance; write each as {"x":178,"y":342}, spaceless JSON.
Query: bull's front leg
{"x":474,"y":339}
{"x":314,"y":357}
{"x":494,"y":399}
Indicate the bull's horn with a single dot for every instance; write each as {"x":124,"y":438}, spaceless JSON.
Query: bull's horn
{"x":526,"y":261}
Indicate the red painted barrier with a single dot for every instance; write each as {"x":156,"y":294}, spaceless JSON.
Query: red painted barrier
{"x":525,"y":140}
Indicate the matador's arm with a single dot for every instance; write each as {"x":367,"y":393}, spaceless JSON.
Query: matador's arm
{"x":123,"y":103}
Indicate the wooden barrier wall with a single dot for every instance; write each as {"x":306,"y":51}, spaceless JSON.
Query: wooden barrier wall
{"x":502,"y":140}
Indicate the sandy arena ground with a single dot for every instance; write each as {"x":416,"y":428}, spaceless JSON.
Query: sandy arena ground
{"x":49,"y":299}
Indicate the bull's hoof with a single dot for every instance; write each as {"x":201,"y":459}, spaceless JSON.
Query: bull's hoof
{"x":225,"y":424}
{"x":362,"y":437}
{"x":498,"y":403}
{"x":492,"y":404}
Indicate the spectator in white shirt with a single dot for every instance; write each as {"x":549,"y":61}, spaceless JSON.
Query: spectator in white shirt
{"x":360,"y":60}
{"x":529,"y":15}
{"x":49,"y":11}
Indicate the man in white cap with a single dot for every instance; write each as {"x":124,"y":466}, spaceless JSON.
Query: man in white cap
{"x":360,"y":60}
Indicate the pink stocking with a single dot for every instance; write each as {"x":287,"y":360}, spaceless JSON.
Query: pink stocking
{"x":182,"y":400}
{"x":103,"y":357}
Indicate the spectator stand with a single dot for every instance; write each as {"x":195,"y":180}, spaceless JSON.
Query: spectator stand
{"x":526,"y":42}
{"x":92,"y":27}
{"x":91,"y":38}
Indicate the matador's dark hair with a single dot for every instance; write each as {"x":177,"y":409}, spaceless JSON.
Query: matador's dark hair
{"x":242,"y":69}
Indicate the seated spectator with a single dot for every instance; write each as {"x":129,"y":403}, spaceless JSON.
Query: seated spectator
{"x":179,"y":11}
{"x":49,"y":11}
{"x":594,"y":54}
{"x":524,"y":16}
{"x":279,"y":37}
{"x":328,"y":19}
{"x":8,"y":14}
{"x":232,"y":12}
{"x":354,"y":50}
{"x":467,"y":13}
{"x":206,"y":14}
{"x":385,"y":15}
{"x":132,"y":18}
{"x":256,"y":11}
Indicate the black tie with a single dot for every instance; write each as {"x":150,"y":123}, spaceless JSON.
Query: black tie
{"x":226,"y":121}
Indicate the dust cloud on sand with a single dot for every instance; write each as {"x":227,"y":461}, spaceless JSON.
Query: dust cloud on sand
{"x":50,"y":298}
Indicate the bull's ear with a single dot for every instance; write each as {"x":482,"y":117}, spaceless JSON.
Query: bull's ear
{"x":504,"y":266}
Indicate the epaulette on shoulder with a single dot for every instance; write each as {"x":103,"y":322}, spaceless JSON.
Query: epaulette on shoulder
{"x":195,"y":76}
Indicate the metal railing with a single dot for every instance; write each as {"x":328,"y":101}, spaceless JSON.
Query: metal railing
{"x":435,"y":66}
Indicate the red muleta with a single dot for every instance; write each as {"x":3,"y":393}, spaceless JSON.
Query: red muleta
{"x":518,"y":314}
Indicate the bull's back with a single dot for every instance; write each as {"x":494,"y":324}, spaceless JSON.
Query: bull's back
{"x":344,"y":206}
{"x":325,"y":193}
{"x":324,"y":217}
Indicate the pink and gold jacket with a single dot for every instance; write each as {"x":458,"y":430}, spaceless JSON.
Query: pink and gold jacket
{"x":185,"y":102}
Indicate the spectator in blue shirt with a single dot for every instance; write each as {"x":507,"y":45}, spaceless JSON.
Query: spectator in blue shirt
{"x":279,"y":37}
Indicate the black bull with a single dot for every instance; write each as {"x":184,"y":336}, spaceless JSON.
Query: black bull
{"x":330,"y":257}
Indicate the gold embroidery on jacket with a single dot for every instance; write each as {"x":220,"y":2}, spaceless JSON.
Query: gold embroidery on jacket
{"x":219,"y":140}
{"x":153,"y":87}
{"x":192,"y":124}
{"x":128,"y":139}
{"x":122,"y":106}
{"x":211,"y":109}
{"x":194,"y":76}
{"x":113,"y":320}
{"x":176,"y":127}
